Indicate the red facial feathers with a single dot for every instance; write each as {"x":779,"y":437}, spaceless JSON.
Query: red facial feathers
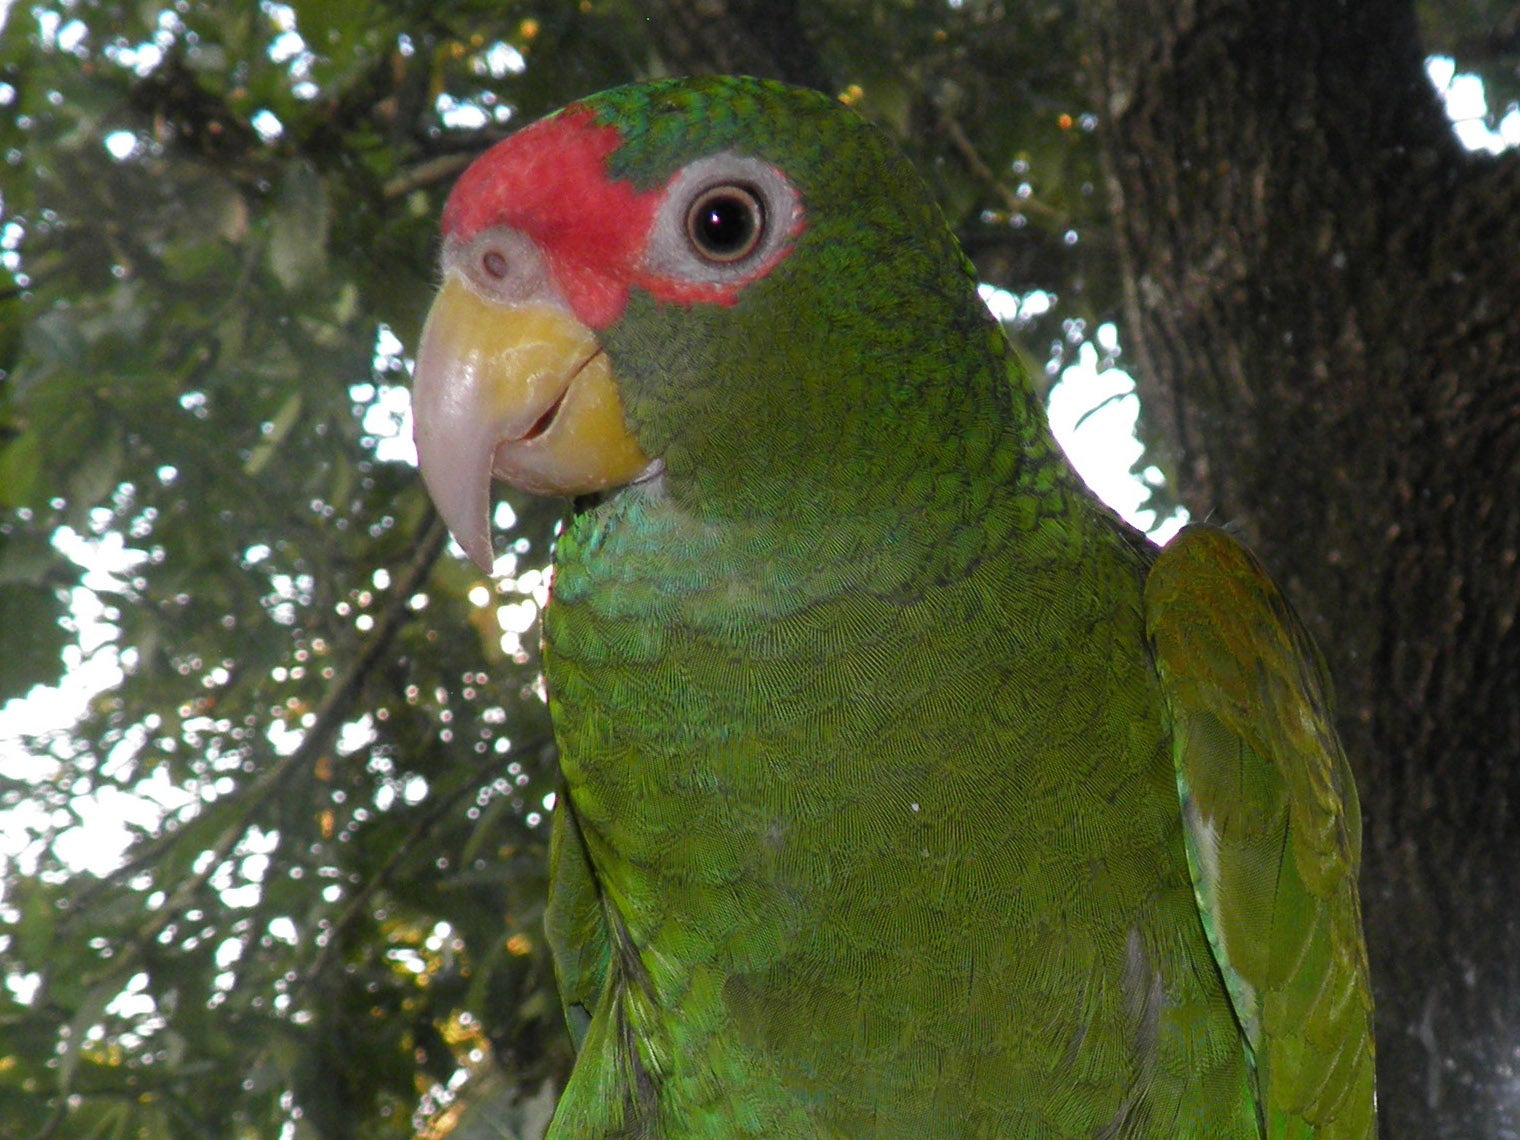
{"x":549,"y":182}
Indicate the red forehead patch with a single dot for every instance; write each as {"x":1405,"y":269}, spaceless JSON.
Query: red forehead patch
{"x":549,"y":182}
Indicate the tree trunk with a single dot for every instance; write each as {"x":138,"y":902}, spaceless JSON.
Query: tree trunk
{"x":741,"y":37}
{"x":1323,"y":314}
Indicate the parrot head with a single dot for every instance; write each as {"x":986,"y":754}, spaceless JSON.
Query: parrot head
{"x":728,"y":289}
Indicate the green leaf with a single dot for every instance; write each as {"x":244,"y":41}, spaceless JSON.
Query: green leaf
{"x":298,"y":233}
{"x":89,"y":1013}
{"x":95,"y":475}
{"x":39,"y":921}
{"x":34,"y":639}
{"x":22,"y":483}
{"x":284,"y":420}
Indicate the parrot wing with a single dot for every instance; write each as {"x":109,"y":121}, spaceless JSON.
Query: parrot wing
{"x":1273,"y":829}
{"x":575,"y":921}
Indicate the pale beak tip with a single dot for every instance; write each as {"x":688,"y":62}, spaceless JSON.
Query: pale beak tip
{"x":461,"y":492}
{"x":478,"y":549}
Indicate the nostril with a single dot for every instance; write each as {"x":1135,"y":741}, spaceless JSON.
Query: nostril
{"x":494,"y":262}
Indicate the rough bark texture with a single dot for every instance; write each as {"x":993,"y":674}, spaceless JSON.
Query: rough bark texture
{"x":744,"y":37}
{"x":1323,"y":312}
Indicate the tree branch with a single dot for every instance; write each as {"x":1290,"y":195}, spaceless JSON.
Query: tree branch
{"x":330,"y":716}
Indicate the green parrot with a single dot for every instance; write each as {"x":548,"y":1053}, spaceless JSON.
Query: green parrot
{"x":907,"y":792}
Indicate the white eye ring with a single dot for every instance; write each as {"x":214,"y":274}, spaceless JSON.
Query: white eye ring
{"x":725,"y":223}
{"x":722,"y":217}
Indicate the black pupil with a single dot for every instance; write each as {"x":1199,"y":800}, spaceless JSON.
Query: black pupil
{"x":725,"y":225}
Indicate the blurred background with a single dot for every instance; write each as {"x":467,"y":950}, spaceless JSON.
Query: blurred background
{"x":275,"y":766}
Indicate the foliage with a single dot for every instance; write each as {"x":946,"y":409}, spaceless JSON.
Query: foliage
{"x":218,"y":228}
{"x":1484,"y":35}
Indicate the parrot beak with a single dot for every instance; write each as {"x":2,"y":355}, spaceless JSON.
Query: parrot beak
{"x":523,"y":392}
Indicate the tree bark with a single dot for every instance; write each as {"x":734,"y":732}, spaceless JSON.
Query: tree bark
{"x":1322,"y":310}
{"x":744,"y":37}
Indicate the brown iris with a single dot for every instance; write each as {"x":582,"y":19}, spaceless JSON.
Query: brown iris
{"x":725,"y":223}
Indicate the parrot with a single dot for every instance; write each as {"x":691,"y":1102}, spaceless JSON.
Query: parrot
{"x":904,"y":789}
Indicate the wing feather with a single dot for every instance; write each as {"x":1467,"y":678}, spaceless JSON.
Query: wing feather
{"x":575,"y":921}
{"x":1273,"y":829}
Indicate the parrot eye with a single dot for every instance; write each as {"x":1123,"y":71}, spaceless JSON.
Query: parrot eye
{"x":725,"y":223}
{"x":724,"y":220}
